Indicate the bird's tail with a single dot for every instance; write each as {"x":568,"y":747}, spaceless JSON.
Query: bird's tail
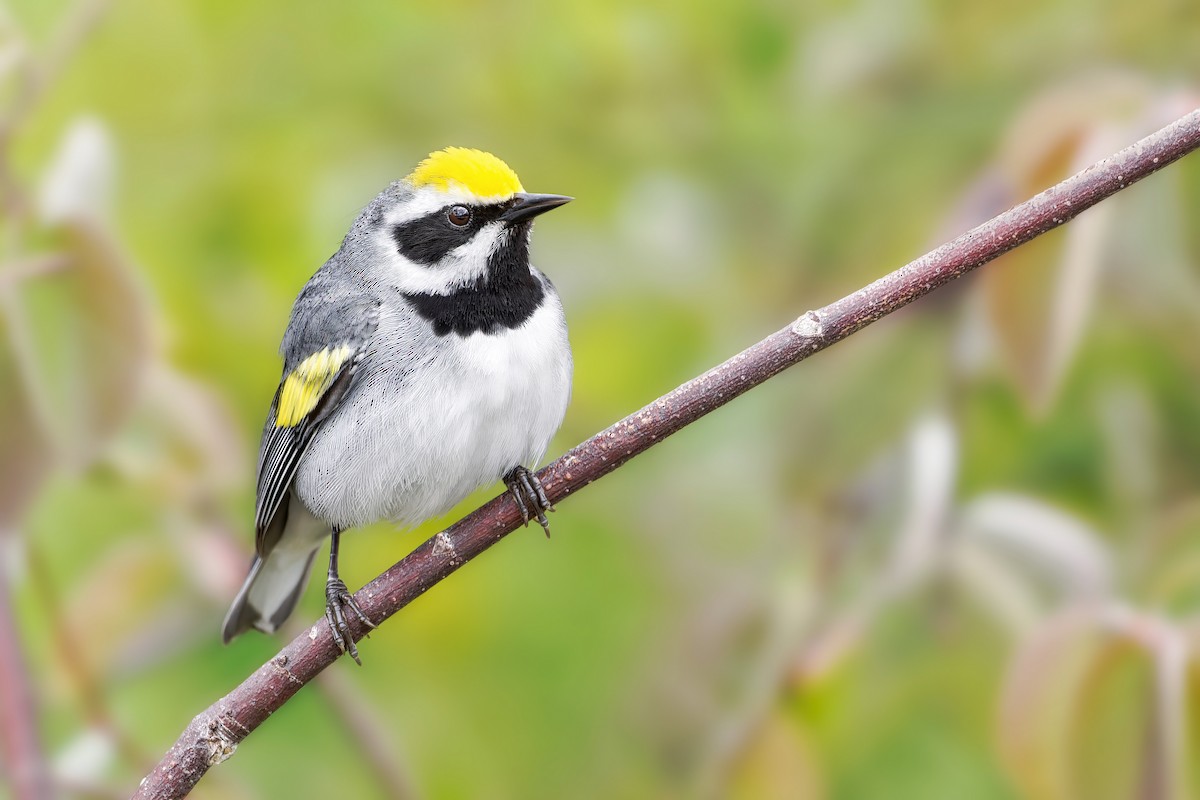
{"x":270,"y":592}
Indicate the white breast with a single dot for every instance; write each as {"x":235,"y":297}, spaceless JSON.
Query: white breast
{"x":429,"y":422}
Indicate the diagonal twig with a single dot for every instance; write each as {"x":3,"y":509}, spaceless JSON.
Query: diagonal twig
{"x":214,"y":734}
{"x":20,"y":747}
{"x":371,"y":740}
{"x":40,"y":75}
{"x":35,"y":79}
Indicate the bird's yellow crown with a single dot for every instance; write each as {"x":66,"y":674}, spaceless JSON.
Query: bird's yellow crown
{"x":480,"y":173}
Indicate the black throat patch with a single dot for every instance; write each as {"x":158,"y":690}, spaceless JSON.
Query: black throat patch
{"x":502,"y":299}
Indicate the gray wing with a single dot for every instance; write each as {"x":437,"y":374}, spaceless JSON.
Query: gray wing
{"x":330,"y":330}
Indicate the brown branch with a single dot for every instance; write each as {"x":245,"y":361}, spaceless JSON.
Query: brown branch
{"x":214,"y":733}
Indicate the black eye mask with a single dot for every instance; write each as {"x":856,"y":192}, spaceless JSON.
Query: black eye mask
{"x":428,"y":239}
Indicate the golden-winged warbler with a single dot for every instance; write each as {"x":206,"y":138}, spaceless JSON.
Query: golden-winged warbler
{"x":425,"y":359}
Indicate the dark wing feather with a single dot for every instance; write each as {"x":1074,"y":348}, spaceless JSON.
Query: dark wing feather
{"x":282,"y":449}
{"x":332,"y":319}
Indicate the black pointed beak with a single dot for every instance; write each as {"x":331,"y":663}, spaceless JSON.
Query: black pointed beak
{"x":527,"y":206}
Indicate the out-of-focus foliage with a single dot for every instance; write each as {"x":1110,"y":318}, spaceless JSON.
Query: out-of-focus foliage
{"x":956,"y":556}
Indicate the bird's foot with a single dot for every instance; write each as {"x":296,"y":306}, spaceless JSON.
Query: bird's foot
{"x":527,"y":492}
{"x":337,"y":599}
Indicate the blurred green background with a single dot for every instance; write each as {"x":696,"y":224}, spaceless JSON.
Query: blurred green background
{"x":953,"y":557}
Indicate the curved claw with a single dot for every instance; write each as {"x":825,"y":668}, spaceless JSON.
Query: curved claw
{"x":338,"y":597}
{"x":527,"y":492}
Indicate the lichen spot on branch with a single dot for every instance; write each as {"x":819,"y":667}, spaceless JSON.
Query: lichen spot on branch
{"x":809,"y":326}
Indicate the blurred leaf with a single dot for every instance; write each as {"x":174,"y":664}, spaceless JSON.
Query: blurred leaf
{"x":1095,"y":706}
{"x":212,"y":555}
{"x":1152,"y":253}
{"x":1039,"y":296}
{"x":118,"y":600}
{"x":777,"y":763}
{"x":1047,"y":134}
{"x":931,"y":473}
{"x":1067,"y":555}
{"x":78,"y":185}
{"x":1172,"y":576}
{"x":90,"y":343}
{"x":1129,"y":423}
{"x":1040,"y":698}
{"x":79,"y":335}
{"x":24,"y":442}
{"x":183,"y":445}
{"x":992,"y":582}
{"x":1106,"y":740}
{"x":86,"y":758}
{"x":921,"y":472}
{"x":1148,"y":664}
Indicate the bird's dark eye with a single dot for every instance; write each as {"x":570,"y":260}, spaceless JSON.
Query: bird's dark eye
{"x":459,"y":216}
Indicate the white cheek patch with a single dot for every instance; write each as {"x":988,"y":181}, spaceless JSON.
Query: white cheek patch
{"x":468,"y":262}
{"x":462,"y":266}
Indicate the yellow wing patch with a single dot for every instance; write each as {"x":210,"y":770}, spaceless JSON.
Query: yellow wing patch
{"x":480,"y":173}
{"x":304,"y":386}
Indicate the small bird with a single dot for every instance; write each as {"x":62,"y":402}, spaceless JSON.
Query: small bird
{"x":426,"y":358}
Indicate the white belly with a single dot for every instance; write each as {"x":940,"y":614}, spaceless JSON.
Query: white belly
{"x":407,"y":447}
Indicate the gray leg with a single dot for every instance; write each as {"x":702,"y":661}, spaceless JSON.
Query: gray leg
{"x":338,"y":597}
